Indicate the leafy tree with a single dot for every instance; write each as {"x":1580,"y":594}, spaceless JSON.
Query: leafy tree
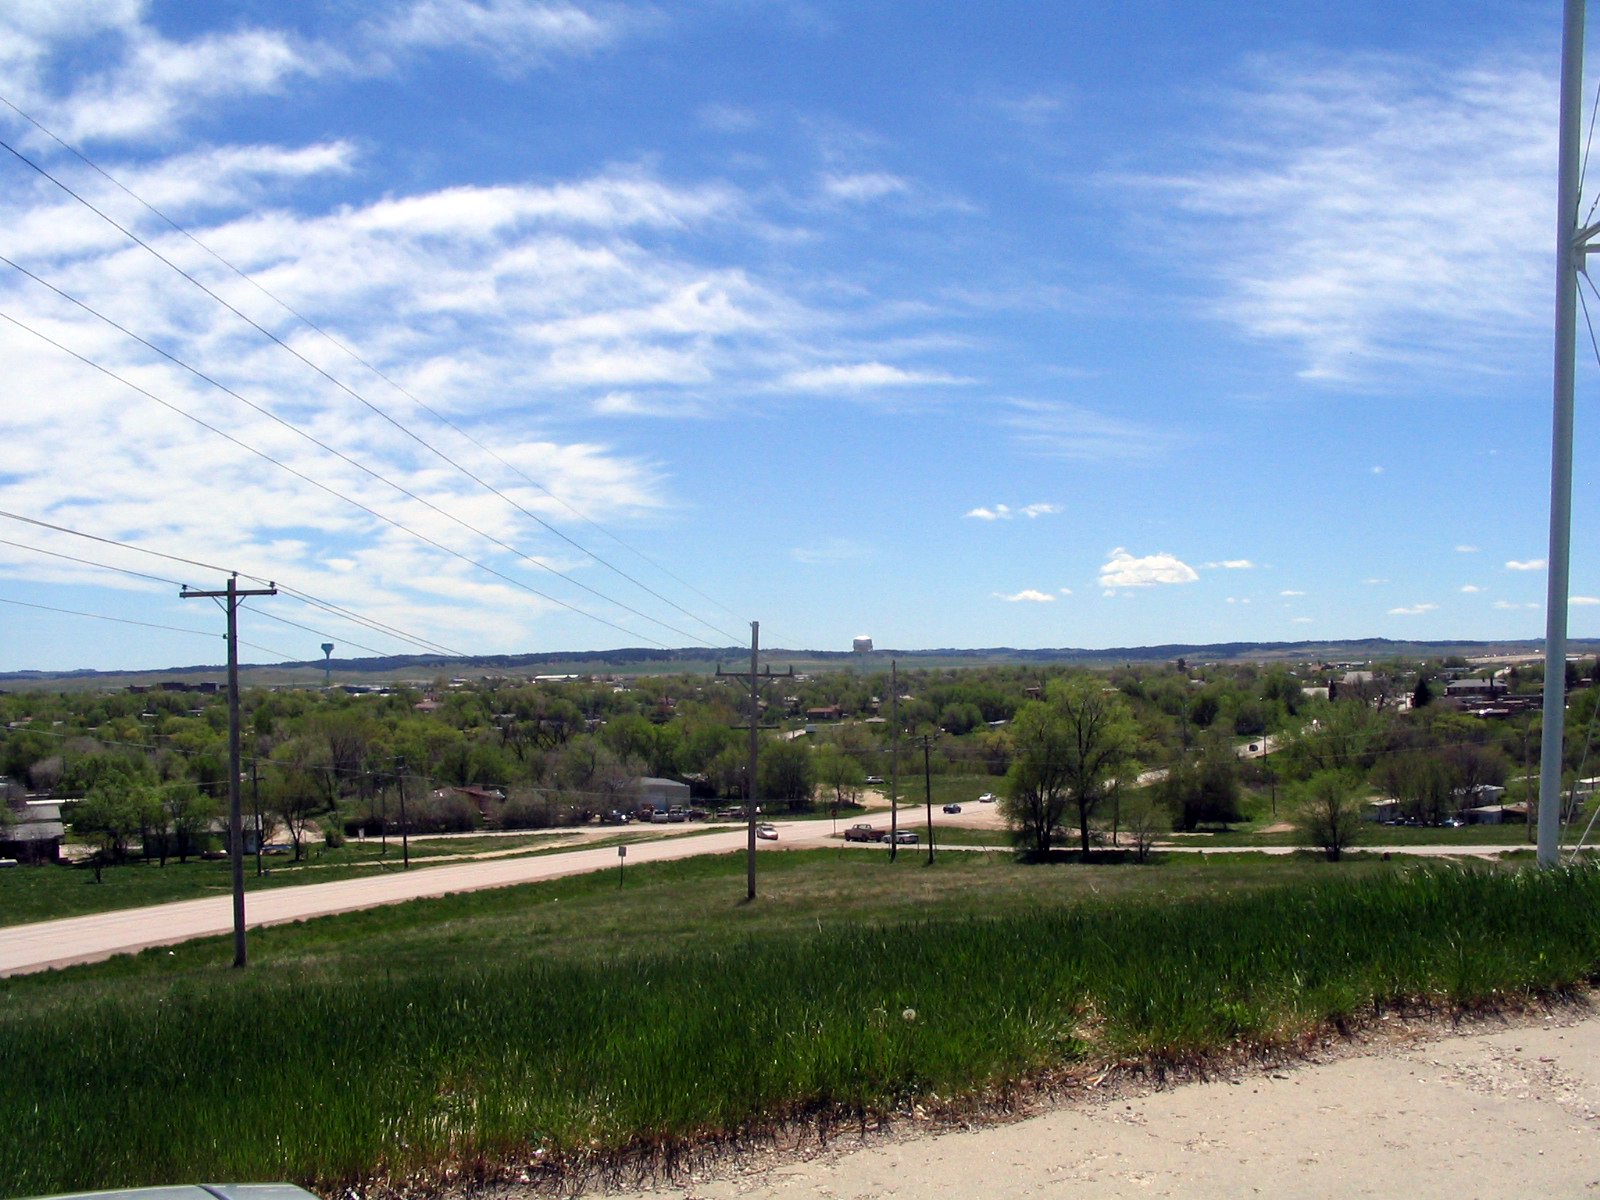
{"x":115,"y":810}
{"x":1144,"y":819}
{"x":1070,"y":749}
{"x":1206,"y":794}
{"x":188,"y":813}
{"x":840,"y":773}
{"x":1422,"y":695}
{"x":1329,"y":813}
{"x":786,"y":773}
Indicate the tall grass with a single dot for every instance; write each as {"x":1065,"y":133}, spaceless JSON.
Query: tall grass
{"x":474,"y":1061}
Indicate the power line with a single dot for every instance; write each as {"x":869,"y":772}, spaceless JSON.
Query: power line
{"x":175,"y":583}
{"x":337,"y":453}
{"x":304,"y":597}
{"x":262,"y":454}
{"x":340,"y":384}
{"x":71,"y":612}
{"x":90,"y":563}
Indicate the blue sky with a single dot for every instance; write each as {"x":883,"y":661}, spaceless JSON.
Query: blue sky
{"x":959,"y":325}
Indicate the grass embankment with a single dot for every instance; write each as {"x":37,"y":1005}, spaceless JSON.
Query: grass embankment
{"x":575,"y":1019}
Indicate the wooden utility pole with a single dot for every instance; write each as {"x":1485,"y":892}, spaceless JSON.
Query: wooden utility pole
{"x":232,"y":595}
{"x":756,"y":679}
{"x":894,"y":759}
{"x":927,"y":792}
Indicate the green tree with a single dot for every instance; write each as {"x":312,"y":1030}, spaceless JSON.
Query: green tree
{"x":786,"y":773}
{"x":116,"y":809}
{"x":1069,"y":751}
{"x":1330,"y":811}
{"x":840,"y":773}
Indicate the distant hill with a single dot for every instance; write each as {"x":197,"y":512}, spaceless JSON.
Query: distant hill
{"x":420,"y":668}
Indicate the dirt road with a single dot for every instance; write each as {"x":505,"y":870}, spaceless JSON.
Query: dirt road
{"x":1499,"y":1112}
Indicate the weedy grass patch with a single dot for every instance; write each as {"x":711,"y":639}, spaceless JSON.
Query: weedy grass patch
{"x":358,"y":1060}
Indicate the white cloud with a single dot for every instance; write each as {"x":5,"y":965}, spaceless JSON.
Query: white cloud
{"x":1583,"y":601}
{"x":1302,"y":620}
{"x":1004,"y":512}
{"x":1290,"y":592}
{"x":1123,"y":570}
{"x":1373,"y":582}
{"x":1031,"y":595}
{"x":1507,"y":605}
{"x":1471,"y":588}
{"x":1530,"y":564}
{"x":1060,"y":430}
{"x":1416,"y":610}
{"x":516,"y":33}
{"x":834,"y":550}
{"x":1230,"y":564}
{"x":1466,"y":549}
{"x":866,"y":186}
{"x":1343,"y":195}
{"x":858,"y":377}
{"x":1066,"y":591}
{"x":1377,"y":470}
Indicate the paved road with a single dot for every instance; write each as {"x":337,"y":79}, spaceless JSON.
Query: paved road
{"x":89,"y":938}
{"x":45,"y":944}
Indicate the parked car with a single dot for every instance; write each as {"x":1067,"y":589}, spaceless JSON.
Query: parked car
{"x":986,"y":798}
{"x":615,"y":817}
{"x":659,"y":817}
{"x":874,"y":779}
{"x":862,"y":833}
{"x":905,"y":837}
{"x":767,"y":832}
{"x":952,"y":808}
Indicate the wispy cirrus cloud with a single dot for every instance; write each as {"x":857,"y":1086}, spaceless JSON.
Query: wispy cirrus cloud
{"x":1229,"y":564}
{"x":1527,"y":564}
{"x":863,"y":377}
{"x":1054,"y":429}
{"x":1341,"y":197}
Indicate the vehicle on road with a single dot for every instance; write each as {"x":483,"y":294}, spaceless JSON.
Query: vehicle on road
{"x":862,"y":833}
{"x":986,"y":798}
{"x":952,"y":808}
{"x":905,"y":837}
{"x":874,"y":779}
{"x":767,"y":832}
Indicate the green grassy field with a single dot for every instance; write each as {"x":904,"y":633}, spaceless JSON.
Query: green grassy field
{"x":577,"y":1018}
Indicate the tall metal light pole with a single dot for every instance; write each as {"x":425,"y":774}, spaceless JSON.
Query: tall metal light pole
{"x":1571,"y":252}
{"x":232,"y":595}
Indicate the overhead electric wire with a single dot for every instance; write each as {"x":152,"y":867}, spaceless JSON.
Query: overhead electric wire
{"x":342,"y":386}
{"x":381,"y":374}
{"x":71,"y":612}
{"x":517,"y":583}
{"x":294,"y":593}
{"x":337,"y":453}
{"x":259,"y":612}
{"x":90,"y":563}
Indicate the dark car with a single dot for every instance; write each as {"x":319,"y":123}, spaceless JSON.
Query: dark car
{"x":952,"y":808}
